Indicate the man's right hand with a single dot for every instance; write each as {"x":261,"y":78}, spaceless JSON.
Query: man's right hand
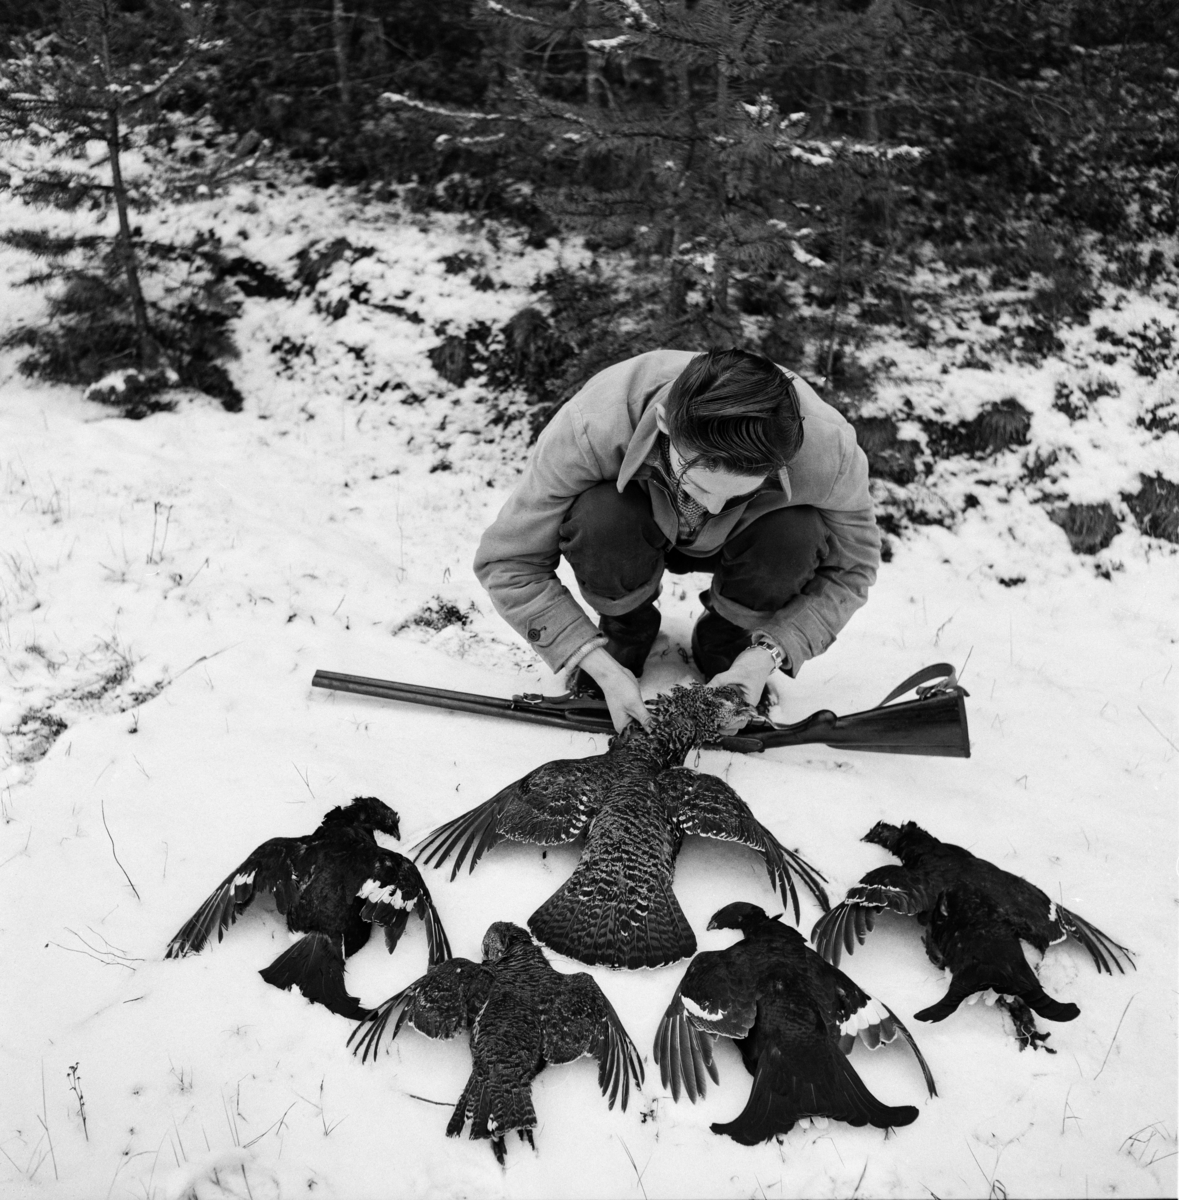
{"x":619,"y":688}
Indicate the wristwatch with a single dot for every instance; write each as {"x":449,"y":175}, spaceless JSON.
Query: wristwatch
{"x":765,"y":642}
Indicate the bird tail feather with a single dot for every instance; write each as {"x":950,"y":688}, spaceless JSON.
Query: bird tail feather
{"x":594,"y":924}
{"x":315,"y":965}
{"x":1003,"y":969}
{"x":494,"y":1109}
{"x":817,"y":1081}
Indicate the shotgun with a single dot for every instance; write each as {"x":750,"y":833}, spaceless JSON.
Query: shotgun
{"x":933,"y":724}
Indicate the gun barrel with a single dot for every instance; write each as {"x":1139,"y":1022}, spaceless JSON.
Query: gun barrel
{"x":415,"y":693}
{"x":933,"y":725}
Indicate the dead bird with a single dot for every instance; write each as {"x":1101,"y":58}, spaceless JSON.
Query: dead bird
{"x":975,"y":916}
{"x":332,"y":885}
{"x":521,"y":1015}
{"x":634,"y":804}
{"x":795,"y":1019}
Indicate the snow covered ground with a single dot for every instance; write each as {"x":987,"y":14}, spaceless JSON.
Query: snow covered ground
{"x":167,"y":588}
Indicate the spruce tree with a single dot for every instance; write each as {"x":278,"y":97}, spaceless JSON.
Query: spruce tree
{"x":670,"y":144}
{"x":82,"y":104}
{"x":663,"y":129}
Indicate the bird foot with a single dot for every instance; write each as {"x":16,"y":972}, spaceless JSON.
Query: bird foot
{"x":1024,"y":1020}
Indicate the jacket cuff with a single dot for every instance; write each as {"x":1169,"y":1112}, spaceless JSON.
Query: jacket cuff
{"x":574,"y":660}
{"x":794,"y":646}
{"x":558,"y":649}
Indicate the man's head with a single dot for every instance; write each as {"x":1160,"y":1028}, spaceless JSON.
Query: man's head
{"x":733,"y":419}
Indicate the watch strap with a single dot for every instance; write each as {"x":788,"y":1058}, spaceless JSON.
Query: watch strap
{"x":765,"y":642}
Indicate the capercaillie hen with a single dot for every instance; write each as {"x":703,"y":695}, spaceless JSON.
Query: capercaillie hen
{"x":795,"y":1019}
{"x":634,"y":805}
{"x":975,"y":917}
{"x":521,"y":1016}
{"x":332,"y":886}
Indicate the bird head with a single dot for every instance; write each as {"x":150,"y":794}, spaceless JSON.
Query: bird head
{"x":881,"y":834}
{"x":369,"y":813}
{"x":501,"y":937}
{"x":728,"y":706}
{"x":689,"y":716}
{"x":739,"y":915}
{"x":898,"y":839}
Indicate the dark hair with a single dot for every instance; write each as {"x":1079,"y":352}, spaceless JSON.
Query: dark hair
{"x":736,"y":411}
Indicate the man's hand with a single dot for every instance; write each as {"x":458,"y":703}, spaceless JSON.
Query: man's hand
{"x":751,"y":670}
{"x":619,"y":687}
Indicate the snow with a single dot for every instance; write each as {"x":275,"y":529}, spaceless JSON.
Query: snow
{"x":211,"y":562}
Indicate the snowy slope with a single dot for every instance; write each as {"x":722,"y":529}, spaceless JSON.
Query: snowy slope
{"x":213,"y":561}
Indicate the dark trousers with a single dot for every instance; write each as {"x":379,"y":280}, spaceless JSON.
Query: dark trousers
{"x":618,"y":555}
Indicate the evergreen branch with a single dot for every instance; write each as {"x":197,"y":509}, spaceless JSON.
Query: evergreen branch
{"x":495,"y":7}
{"x":42,"y":244}
{"x":639,"y":14}
{"x":439,"y":111}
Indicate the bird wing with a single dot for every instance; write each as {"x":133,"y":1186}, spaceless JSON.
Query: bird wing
{"x":716,"y":998}
{"x":707,"y":806}
{"x":580,"y":1021}
{"x":272,"y":867}
{"x":440,"y":1004}
{"x":1097,"y":943}
{"x":857,"y":1014}
{"x":1039,"y":920}
{"x":549,"y":806}
{"x":392,"y":886}
{"x":893,"y":887}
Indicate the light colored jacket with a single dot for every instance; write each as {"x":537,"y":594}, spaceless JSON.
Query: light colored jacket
{"x":606,"y":432}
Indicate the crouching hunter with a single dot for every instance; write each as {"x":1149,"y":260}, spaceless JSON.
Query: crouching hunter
{"x":672,"y":461}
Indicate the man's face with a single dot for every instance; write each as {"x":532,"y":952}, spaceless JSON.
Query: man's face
{"x":712,"y":489}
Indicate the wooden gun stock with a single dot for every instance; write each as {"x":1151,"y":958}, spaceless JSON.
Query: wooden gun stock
{"x":934,"y":724}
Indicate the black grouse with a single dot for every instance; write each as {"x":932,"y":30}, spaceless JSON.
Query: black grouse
{"x":975,"y":916}
{"x":634,"y":804}
{"x":795,"y":1019}
{"x":331,"y":885}
{"x":522,"y":1015}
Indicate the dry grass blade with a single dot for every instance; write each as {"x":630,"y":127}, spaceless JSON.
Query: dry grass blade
{"x":114,"y":852}
{"x":635,"y":1167}
{"x":1114,"y":1038}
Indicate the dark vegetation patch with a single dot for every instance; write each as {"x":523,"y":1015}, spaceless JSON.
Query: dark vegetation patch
{"x":1161,"y":417}
{"x":34,"y":734}
{"x":1076,"y":402}
{"x":40,"y":725}
{"x":315,"y":263}
{"x":889,"y":455}
{"x":1037,"y":465}
{"x":1156,"y":508}
{"x":1151,"y":349}
{"x":253,"y":279}
{"x":997,"y":427}
{"x":437,"y":614}
{"x":1089,"y":527}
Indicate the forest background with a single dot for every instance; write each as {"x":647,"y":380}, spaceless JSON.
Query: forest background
{"x":754,"y":172}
